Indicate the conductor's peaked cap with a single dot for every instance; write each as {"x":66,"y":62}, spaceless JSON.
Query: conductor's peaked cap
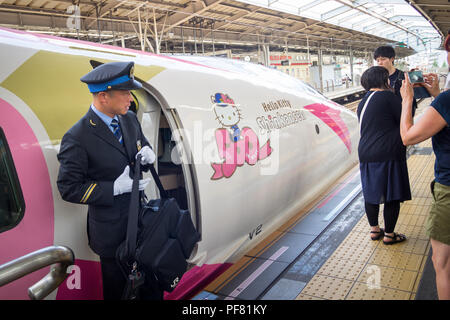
{"x":112,"y":76}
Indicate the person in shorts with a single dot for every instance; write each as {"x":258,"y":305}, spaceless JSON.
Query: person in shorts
{"x":434,"y":123}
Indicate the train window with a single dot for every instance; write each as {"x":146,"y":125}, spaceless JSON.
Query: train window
{"x":12,"y":204}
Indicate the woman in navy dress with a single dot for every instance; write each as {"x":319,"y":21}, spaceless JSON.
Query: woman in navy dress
{"x":382,"y":155}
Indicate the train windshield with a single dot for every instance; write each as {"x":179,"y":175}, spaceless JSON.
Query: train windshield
{"x":12,"y":205}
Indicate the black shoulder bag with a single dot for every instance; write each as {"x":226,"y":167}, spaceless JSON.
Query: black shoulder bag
{"x":160,"y":238}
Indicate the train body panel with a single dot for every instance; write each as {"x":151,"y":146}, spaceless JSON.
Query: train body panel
{"x":242,"y":146}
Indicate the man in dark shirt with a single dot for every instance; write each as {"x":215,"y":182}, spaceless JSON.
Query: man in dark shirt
{"x":385,"y":56}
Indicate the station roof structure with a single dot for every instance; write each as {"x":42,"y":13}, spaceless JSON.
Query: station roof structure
{"x":410,"y":22}
{"x":436,"y":11}
{"x":176,"y":25}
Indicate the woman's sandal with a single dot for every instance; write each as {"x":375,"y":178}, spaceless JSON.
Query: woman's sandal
{"x":401,"y":238}
{"x":380,"y":234}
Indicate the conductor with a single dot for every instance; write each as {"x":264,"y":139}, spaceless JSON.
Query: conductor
{"x":95,"y":159}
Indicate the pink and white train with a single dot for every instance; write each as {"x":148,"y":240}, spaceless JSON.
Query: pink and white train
{"x":243,"y":147}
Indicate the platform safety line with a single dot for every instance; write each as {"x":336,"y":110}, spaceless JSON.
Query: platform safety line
{"x":233,"y":275}
{"x":250,"y":261}
{"x":342,"y":186}
{"x":340,"y":205}
{"x":256,"y":273}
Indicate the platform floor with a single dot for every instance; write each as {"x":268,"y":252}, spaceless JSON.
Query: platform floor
{"x":364,"y":269}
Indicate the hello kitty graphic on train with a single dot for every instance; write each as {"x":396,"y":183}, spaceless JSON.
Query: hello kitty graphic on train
{"x":236,"y":146}
{"x":227,"y":113}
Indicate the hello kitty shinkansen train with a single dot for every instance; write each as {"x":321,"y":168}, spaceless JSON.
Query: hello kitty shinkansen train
{"x":239,"y":145}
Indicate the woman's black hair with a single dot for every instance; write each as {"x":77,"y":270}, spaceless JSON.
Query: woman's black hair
{"x":375,"y":77}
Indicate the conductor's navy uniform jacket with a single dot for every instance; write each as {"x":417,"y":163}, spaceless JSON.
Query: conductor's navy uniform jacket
{"x":91,"y":159}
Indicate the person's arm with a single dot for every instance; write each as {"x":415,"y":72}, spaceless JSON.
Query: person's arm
{"x":73,"y":182}
{"x":429,"y":124}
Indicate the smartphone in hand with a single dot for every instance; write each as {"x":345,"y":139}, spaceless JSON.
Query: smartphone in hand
{"x":416,"y":76}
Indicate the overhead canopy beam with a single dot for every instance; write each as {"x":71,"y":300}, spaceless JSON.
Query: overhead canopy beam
{"x":349,"y":17}
{"x":106,"y":7}
{"x":394,"y":34}
{"x":435,"y":4}
{"x":197,"y":8}
{"x":374,"y":26}
{"x":418,"y":6}
{"x":333,"y":13}
{"x":361,"y":24}
{"x":363,"y":2}
{"x":405,"y":18}
{"x":310,"y":5}
{"x":377,"y":16}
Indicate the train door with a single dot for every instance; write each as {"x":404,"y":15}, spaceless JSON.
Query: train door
{"x":158,"y":126}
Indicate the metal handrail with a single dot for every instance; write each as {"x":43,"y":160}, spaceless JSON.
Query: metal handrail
{"x":59,"y":257}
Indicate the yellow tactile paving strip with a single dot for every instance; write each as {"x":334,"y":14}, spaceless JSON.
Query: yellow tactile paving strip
{"x":362,"y":269}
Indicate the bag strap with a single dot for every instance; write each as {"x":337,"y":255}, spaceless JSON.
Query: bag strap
{"x":364,"y":110}
{"x":162,"y":192}
{"x":133,"y":212}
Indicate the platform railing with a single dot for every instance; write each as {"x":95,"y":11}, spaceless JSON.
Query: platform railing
{"x":59,"y":257}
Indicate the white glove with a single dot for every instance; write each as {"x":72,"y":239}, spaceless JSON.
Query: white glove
{"x":124,"y":183}
{"x":148,"y":156}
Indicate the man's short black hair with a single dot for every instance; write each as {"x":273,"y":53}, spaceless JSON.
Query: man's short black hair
{"x":384,"y":51}
{"x":375,"y":77}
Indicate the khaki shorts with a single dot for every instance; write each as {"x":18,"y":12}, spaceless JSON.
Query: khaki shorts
{"x":438,"y":221}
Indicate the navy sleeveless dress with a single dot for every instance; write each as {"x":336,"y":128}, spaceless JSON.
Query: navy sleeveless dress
{"x":382,"y":155}
{"x":385,"y":181}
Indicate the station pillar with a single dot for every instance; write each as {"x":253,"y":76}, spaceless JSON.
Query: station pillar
{"x":320,"y":62}
{"x":351,"y":66}
{"x":266,"y":55}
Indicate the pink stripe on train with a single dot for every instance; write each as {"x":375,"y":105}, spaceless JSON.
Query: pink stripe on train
{"x":331,"y":117}
{"x":35,"y":231}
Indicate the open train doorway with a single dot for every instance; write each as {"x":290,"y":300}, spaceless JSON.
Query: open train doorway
{"x":158,"y":131}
